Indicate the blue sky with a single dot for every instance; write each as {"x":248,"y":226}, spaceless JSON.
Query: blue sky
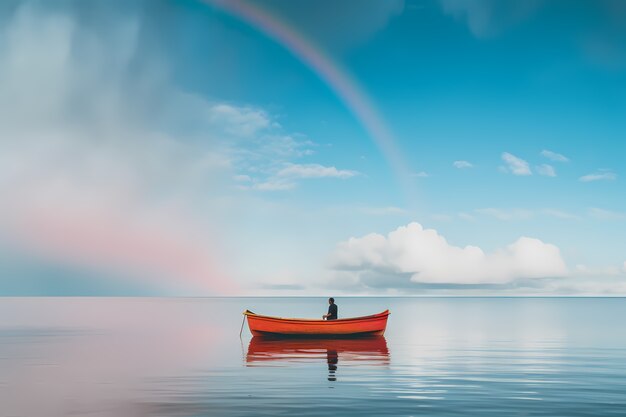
{"x":181,"y":148}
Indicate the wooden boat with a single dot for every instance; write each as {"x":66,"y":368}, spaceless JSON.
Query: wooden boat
{"x":350,"y":327}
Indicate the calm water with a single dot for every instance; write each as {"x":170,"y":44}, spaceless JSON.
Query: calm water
{"x":440,"y":356}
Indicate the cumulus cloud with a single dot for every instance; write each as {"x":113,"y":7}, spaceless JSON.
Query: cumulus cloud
{"x":515,"y":165}
{"x":602,"y":175}
{"x":553,"y":156}
{"x":424,"y":256}
{"x":546,"y":170}
{"x":421,"y":174}
{"x":462,"y":164}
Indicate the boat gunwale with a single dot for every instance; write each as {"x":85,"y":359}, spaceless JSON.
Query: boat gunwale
{"x":372,"y":317}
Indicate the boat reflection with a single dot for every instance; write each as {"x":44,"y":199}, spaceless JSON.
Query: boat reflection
{"x":264,"y":351}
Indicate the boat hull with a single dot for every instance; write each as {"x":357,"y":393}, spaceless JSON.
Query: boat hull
{"x":374,"y":325}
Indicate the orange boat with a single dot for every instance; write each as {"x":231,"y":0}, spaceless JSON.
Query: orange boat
{"x":351,"y":327}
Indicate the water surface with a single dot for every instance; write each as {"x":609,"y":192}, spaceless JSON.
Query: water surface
{"x":439,"y":356}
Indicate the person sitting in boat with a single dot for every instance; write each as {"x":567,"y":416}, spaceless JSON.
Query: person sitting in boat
{"x":332,"y":310}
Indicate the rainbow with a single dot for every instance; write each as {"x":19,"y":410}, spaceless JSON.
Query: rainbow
{"x":345,"y":87}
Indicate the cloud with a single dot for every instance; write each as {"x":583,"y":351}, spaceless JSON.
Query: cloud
{"x":462,"y":164}
{"x":421,"y":174}
{"x":366,"y":17}
{"x":273,"y":185}
{"x":603,"y":175}
{"x":501,"y":214}
{"x":92,"y":176}
{"x":546,"y":170}
{"x":314,"y":171}
{"x":524,"y":214}
{"x":285,"y":178}
{"x":383,"y":211}
{"x":249,"y":137}
{"x":604,"y":46}
{"x":560,"y":214}
{"x":467,"y":217}
{"x":624,"y":267}
{"x":424,"y":256}
{"x":515,"y":165}
{"x":602,"y":214}
{"x":238,"y":121}
{"x":486,"y":18}
{"x":553,"y":156}
{"x":262,"y":154}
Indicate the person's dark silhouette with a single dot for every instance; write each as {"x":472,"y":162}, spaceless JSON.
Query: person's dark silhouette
{"x":333,"y":359}
{"x":332,"y":310}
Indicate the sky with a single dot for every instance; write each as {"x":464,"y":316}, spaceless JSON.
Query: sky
{"x":370,"y":147}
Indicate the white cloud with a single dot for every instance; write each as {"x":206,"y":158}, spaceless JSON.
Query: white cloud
{"x":382,"y":211}
{"x":553,"y":156}
{"x":546,"y":170}
{"x":462,"y":164}
{"x":314,"y":171}
{"x":515,"y":165}
{"x":286,"y":177}
{"x":560,"y":214}
{"x":603,"y":214}
{"x":421,"y":174}
{"x":274,"y":185}
{"x":424,"y":256}
{"x":508,"y":214}
{"x":624,"y":267}
{"x":602,"y":175}
{"x":466,"y":217}
{"x":239,"y":121}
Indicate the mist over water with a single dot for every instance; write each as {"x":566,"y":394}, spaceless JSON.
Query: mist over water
{"x":439,"y":356}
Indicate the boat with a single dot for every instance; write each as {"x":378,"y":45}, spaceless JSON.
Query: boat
{"x":373,"y":325}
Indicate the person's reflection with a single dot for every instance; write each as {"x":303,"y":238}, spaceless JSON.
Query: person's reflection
{"x":333,"y":359}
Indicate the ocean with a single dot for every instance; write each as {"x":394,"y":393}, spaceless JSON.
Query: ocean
{"x":439,"y":357}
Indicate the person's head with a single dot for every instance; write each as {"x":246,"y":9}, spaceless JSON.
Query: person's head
{"x":331,"y":300}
